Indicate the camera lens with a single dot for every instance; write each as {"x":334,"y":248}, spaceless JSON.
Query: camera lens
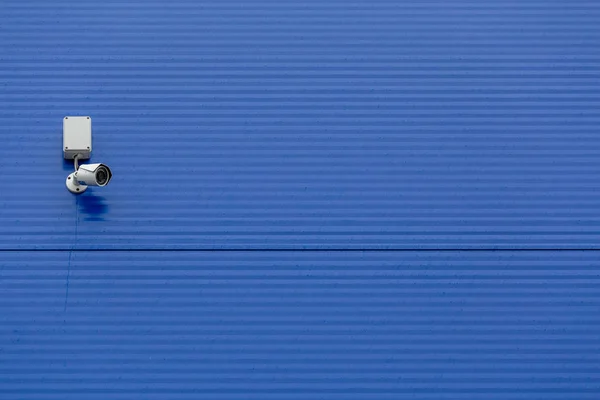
{"x":101,"y":176}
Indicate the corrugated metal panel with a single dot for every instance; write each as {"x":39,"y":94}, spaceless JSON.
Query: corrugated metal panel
{"x":316,"y":124}
{"x":302,"y":125}
{"x":300,"y":325}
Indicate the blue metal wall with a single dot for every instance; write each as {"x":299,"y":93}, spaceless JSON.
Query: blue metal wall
{"x":298,"y":325}
{"x":296,"y":188}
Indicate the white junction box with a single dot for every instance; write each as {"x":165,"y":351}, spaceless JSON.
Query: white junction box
{"x":77,"y":137}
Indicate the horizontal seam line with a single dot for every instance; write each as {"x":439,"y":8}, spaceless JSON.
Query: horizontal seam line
{"x":286,"y":250}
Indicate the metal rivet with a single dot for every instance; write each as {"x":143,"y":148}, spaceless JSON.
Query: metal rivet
{"x":78,"y":189}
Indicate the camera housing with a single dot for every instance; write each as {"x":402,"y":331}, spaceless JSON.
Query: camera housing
{"x":88,"y":175}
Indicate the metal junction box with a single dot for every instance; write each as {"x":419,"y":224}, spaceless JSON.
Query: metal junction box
{"x":77,"y":137}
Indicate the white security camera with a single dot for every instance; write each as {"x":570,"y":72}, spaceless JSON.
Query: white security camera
{"x":77,"y":145}
{"x":88,"y":175}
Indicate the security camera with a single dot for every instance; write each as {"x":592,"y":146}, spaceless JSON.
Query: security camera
{"x":77,"y":145}
{"x":88,"y":175}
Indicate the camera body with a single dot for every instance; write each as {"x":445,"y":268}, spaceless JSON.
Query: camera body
{"x":88,"y":175}
{"x":93,"y":175}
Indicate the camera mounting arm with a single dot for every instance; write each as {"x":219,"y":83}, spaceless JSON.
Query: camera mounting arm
{"x":76,"y":162}
{"x":72,"y":184}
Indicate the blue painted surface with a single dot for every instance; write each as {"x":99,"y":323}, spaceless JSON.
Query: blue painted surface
{"x":292,"y":325}
{"x":314,"y":125}
{"x":317,"y":124}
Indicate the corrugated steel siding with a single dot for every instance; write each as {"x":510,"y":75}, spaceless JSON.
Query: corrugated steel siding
{"x":300,"y":325}
{"x":316,"y":124}
{"x":322,"y":125}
